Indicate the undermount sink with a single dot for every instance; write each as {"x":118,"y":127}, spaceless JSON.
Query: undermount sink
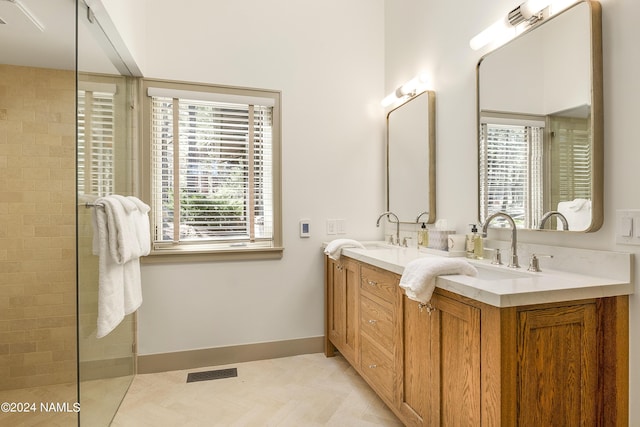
{"x":491,"y":272}
{"x":378,"y":245}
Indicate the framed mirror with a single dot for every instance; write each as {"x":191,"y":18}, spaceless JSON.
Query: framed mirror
{"x":540,"y":124}
{"x":411,"y":173}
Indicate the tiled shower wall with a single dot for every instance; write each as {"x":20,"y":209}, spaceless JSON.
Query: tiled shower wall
{"x":37,"y":227}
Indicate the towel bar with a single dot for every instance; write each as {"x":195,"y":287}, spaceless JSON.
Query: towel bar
{"x":93,"y":205}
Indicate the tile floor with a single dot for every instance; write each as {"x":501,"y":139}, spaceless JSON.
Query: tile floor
{"x":306,"y":390}
{"x":63,"y":393}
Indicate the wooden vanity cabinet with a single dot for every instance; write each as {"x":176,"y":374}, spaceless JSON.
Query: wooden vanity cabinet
{"x":459,"y":362}
{"x":342,"y":303}
{"x":557,"y":366}
{"x":379,"y":310}
{"x":440,"y":384}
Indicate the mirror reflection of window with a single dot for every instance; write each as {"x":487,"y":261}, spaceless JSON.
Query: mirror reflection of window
{"x":511,"y":169}
{"x":571,"y":163}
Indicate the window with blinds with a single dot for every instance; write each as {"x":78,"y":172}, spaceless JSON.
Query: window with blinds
{"x":95,"y":147}
{"x":212,"y":171}
{"x":511,"y":177}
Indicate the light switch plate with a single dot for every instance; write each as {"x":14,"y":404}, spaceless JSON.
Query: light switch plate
{"x":331,"y":226}
{"x":628,"y":227}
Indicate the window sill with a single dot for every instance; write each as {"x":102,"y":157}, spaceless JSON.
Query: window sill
{"x":160,"y":256}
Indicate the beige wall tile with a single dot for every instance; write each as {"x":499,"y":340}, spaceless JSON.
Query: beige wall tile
{"x":37,"y":227}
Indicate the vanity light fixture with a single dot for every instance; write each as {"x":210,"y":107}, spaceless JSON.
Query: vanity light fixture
{"x":518,"y":20}
{"x":407,"y":90}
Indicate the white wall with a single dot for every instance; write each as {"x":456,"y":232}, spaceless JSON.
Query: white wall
{"x":433,"y":35}
{"x":327,"y":58}
{"x":129,"y":18}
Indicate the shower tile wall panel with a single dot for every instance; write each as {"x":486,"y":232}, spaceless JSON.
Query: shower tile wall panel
{"x":37,"y":227}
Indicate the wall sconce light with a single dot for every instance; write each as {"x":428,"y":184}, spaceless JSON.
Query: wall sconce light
{"x":519,"y":19}
{"x":407,"y":90}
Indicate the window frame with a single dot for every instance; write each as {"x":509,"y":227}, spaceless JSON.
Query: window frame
{"x":191,"y":251}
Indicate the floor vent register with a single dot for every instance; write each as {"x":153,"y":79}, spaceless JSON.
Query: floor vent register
{"x":212,"y":375}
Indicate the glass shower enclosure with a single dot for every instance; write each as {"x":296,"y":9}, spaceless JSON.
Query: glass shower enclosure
{"x":106,"y":102}
{"x":66,"y":136}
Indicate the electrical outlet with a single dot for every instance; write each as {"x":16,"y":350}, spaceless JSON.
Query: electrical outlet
{"x":331,"y":226}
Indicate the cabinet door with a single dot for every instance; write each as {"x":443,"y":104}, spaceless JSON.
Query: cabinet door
{"x":455,"y":363}
{"x":557,"y":369}
{"x":441,"y":363}
{"x":416,"y":362}
{"x":342,"y":306}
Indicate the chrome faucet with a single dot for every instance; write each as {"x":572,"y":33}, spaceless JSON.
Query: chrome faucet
{"x":545,"y":217}
{"x":387,"y":214}
{"x":514,"y":236}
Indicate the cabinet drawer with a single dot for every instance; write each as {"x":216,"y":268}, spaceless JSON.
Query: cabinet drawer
{"x":377,"y":368}
{"x":380,"y":283}
{"x":377,"y":322}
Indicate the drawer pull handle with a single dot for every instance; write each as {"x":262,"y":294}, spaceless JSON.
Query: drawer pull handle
{"x":372,"y":282}
{"x":372,"y":322}
{"x":372,"y":366}
{"x":426,"y":306}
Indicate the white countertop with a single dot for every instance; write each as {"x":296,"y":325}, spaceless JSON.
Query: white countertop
{"x":502,"y":286}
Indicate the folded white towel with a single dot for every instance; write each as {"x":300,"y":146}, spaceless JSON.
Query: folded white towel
{"x":121,"y":236}
{"x":419,"y":276}
{"x":140,"y":217}
{"x":334,"y":248}
{"x":111,"y":276}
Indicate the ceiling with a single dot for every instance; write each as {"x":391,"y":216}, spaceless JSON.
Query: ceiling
{"x":23,"y":43}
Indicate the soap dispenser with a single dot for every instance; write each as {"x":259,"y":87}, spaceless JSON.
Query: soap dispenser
{"x":478,"y":247}
{"x":471,"y":241}
{"x":423,"y":236}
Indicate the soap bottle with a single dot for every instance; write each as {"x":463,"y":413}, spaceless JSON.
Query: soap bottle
{"x":478,"y":247}
{"x":471,"y":241}
{"x":423,"y":236}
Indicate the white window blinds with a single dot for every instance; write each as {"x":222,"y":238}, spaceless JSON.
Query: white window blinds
{"x":96,"y":141}
{"x":571,"y":159}
{"x":511,"y":171}
{"x":212,"y":171}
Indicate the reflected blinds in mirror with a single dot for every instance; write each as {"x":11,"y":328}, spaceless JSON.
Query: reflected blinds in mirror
{"x":511,"y":172}
{"x":571,"y":154}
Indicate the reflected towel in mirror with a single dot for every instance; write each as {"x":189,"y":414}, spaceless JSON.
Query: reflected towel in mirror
{"x":577,"y":212}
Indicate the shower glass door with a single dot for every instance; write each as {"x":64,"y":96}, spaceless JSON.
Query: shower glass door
{"x":105,"y":101}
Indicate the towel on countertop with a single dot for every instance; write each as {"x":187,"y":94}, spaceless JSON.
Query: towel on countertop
{"x":121,"y":236}
{"x":419,"y":276}
{"x":334,"y":248}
